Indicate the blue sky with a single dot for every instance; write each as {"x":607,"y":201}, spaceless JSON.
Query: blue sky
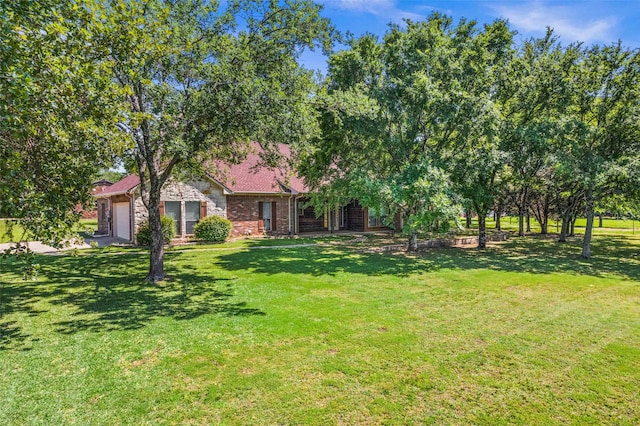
{"x":587,"y":21}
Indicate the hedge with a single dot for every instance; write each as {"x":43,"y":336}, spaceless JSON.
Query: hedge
{"x":212,"y":228}
{"x":143,"y":236}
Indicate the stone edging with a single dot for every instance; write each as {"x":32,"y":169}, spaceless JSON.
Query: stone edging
{"x":447,"y":242}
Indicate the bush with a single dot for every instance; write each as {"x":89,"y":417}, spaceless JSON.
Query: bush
{"x":212,"y":228}
{"x":143,"y":237}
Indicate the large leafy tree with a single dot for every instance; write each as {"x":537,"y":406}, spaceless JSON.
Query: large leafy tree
{"x":602,"y":127}
{"x":397,"y":113}
{"x":58,"y":114}
{"x":201,"y":81}
{"x":534,"y":97}
{"x":477,"y":161}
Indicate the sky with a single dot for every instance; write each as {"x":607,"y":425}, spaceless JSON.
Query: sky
{"x":589,"y":21}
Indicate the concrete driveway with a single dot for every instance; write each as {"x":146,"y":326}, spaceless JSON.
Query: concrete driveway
{"x":88,"y":242}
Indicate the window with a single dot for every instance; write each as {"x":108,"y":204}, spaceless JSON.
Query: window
{"x":172,"y":209}
{"x":266,"y":216}
{"x":191,"y":215}
{"x":377,"y":217}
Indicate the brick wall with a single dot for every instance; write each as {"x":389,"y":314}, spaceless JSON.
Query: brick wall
{"x":242,"y":211}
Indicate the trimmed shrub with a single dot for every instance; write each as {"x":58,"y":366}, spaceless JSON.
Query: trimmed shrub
{"x":212,"y":228}
{"x":143,"y":236}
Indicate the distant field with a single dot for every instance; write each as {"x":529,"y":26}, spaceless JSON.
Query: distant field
{"x":510,"y":223}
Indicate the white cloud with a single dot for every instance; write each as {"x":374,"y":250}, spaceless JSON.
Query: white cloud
{"x":570,"y":22}
{"x":383,"y":8}
{"x":374,"y":7}
{"x":399,"y":15}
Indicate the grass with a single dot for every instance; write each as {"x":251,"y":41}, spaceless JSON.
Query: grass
{"x":609,"y":225}
{"x":11,"y":231}
{"x":525,"y":332}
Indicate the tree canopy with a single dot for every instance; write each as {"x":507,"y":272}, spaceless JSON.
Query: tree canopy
{"x":201,"y":81}
{"x":59,"y":111}
{"x":437,"y":113}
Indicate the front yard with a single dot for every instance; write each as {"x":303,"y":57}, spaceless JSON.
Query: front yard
{"x":525,"y":332}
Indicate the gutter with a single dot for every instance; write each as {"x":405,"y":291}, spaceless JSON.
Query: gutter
{"x":296,"y":219}
{"x":289,"y":213}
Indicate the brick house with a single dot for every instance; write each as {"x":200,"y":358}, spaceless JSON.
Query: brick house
{"x":256,"y":199}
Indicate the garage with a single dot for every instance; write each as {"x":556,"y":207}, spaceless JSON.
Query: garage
{"x":121,"y":221}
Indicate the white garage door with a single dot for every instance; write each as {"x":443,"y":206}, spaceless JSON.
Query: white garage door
{"x":121,"y":220}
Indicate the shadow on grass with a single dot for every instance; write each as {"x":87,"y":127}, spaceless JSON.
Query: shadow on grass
{"x":104,"y":293}
{"x":617,"y":255}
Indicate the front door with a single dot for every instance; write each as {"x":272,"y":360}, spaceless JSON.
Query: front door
{"x":122,"y":220}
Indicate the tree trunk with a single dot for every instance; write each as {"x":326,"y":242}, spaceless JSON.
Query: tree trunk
{"x":482,"y":230}
{"x":544,"y":225}
{"x":564,"y":230}
{"x":520,"y":222}
{"x":156,"y":264}
{"x":498,"y":227}
{"x":540,"y":210}
{"x":586,"y":241}
{"x":521,"y":211}
{"x":572,"y":233}
{"x":467,"y":214}
{"x":528,"y":222}
{"x":600,"y":220}
{"x":413,"y":241}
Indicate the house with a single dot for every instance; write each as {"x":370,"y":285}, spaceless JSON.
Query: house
{"x":256,"y":199}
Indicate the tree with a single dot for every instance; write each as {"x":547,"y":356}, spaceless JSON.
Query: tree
{"x":602,"y":126}
{"x":534,"y":96}
{"x":58,"y":110}
{"x":199,"y":86}
{"x":386,"y":119}
{"x":476,"y":158}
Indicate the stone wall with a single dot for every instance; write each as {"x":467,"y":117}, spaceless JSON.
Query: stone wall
{"x":242,"y":211}
{"x":190,"y":191}
{"x":449,"y":242}
{"x":102,"y":213}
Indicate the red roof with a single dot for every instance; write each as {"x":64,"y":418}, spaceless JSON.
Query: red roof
{"x":253,"y":176}
{"x":120,"y":187}
{"x":250,"y":176}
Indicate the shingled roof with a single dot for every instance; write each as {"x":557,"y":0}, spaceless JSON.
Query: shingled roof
{"x":120,"y":187}
{"x":251,"y":176}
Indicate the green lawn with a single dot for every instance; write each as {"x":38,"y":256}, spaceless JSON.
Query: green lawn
{"x":523,"y":333}
{"x":608,"y":225}
{"x":10,"y":231}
